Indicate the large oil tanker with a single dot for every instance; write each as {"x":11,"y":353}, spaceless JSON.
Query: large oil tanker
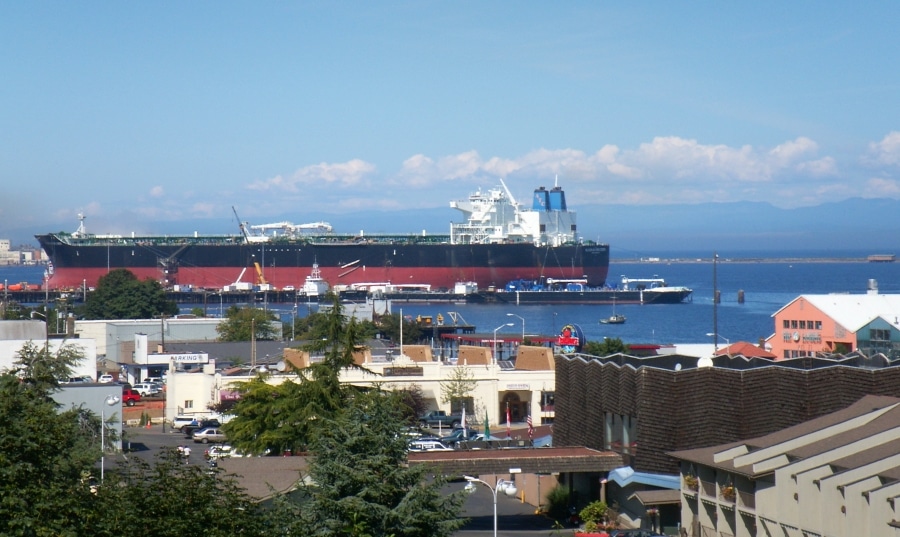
{"x":497,"y":242}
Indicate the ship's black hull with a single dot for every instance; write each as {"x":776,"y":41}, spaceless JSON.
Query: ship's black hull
{"x":217,"y":262}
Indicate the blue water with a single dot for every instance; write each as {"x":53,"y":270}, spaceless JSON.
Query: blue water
{"x":767,"y":287}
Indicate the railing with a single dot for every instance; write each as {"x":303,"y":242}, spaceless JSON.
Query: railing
{"x":708,"y":488}
{"x":746,"y":499}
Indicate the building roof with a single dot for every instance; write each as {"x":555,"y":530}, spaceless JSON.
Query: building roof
{"x":862,"y":422}
{"x":854,"y":311}
{"x":745,"y":349}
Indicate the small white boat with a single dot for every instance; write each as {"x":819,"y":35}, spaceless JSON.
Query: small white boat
{"x":615,"y":318}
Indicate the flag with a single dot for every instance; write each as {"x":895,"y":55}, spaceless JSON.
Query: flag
{"x":507,"y":421}
{"x":462,"y":421}
{"x":487,"y":427}
{"x":530,"y":428}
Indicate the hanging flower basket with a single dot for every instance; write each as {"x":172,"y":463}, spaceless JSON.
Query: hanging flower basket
{"x":691,"y":482}
{"x":728,"y":493}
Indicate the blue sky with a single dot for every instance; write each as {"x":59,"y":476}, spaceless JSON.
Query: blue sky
{"x":139,"y":113}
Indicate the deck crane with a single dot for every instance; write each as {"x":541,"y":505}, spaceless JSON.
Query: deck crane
{"x":244,"y":225}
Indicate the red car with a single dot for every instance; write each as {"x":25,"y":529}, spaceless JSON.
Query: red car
{"x":130,"y":397}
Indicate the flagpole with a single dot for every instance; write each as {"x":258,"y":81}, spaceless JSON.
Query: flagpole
{"x":508,"y":432}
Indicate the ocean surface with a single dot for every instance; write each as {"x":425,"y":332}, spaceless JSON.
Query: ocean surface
{"x":767,"y":286}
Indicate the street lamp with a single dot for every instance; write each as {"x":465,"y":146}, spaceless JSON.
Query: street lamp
{"x":109,"y":401}
{"x":46,"y":330}
{"x":508,"y":487}
{"x":495,"y":338}
{"x":523,"y":324}
{"x":717,"y":336}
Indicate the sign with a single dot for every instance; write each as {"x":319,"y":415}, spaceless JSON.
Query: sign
{"x":570,"y":339}
{"x":518,"y":386}
{"x":193,"y":358}
{"x":403,"y":372}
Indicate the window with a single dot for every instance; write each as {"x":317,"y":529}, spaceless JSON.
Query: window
{"x":548,"y":400}
{"x":188,"y":403}
{"x":794,"y":323}
{"x":802,"y":325}
{"x":818,"y":325}
{"x":785,"y":323}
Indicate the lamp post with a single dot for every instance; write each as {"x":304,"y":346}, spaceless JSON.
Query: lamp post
{"x":523,"y":324}
{"x":717,"y":336}
{"x":109,"y":401}
{"x":46,"y":330}
{"x":508,"y":488}
{"x":495,"y":338}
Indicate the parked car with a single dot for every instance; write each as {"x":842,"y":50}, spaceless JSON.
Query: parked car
{"x":459,"y":435}
{"x":428,"y":445}
{"x":155,"y":380}
{"x":105,"y":379}
{"x":219,"y":452}
{"x":196,"y":425}
{"x":130,"y":397}
{"x":80,"y":379}
{"x":209,"y":434}
{"x":145,"y":389}
{"x":181,"y":421}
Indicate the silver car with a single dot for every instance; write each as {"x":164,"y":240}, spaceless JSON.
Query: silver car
{"x":210,"y":434}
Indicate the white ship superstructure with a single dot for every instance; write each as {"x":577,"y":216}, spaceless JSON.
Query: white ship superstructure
{"x":494,"y":217}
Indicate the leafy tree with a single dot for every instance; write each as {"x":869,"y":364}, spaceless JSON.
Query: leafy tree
{"x":457,"y":389}
{"x":44,"y":452}
{"x":362,"y":484}
{"x":245,"y":324}
{"x":413,"y":403}
{"x":38,"y":366}
{"x":198,"y":312}
{"x":605,"y":348}
{"x":390,"y":327}
{"x":120,"y":295}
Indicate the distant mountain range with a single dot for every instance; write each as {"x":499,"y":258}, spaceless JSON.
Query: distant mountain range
{"x":632,"y":231}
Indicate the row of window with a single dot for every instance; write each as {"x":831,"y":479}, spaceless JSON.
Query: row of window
{"x":794,"y":324}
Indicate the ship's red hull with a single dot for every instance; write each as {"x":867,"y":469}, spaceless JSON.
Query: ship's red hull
{"x":281,"y":277}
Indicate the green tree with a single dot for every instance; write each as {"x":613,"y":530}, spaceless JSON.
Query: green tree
{"x":362,"y":484}
{"x":605,"y":348}
{"x":120,"y":295}
{"x":245,"y":324}
{"x":284,"y":417}
{"x":45,"y":452}
{"x":172,"y":499}
{"x":389,"y":325}
{"x":413,"y":403}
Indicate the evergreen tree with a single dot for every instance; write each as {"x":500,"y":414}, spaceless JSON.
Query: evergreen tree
{"x":362,"y":484}
{"x":172,"y":499}
{"x":283,"y":417}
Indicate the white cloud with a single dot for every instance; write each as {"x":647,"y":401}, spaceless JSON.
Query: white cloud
{"x":878,"y":187}
{"x":342,"y":174}
{"x":887,"y":151}
{"x":157,"y":191}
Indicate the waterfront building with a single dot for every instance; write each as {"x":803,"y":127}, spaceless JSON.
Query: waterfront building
{"x":815,"y":325}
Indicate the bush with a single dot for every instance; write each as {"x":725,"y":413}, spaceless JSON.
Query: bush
{"x":558,"y":503}
{"x":594,"y":512}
